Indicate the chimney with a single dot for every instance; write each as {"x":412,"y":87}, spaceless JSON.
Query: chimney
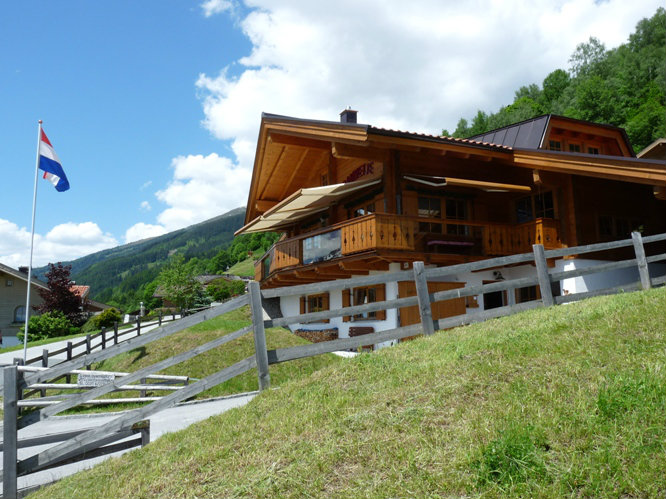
{"x":348,"y":116}
{"x":23,"y":269}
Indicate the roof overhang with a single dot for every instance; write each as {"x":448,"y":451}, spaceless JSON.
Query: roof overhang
{"x":639,"y":171}
{"x":302,"y":204}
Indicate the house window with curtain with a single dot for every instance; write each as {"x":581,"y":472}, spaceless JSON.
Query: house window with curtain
{"x":315,"y":303}
{"x":19,"y":314}
{"x":361,"y":296}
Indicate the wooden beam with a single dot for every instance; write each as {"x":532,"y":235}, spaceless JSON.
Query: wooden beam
{"x":342,"y":151}
{"x":289,"y":140}
{"x":264,"y":205}
{"x":360,"y":265}
{"x":269,"y":174}
{"x":287,"y":191}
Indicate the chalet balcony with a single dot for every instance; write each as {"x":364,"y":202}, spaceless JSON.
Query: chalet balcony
{"x":405,"y":238}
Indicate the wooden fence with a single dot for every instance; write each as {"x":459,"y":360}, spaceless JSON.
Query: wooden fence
{"x":22,"y":377}
{"x":99,"y":340}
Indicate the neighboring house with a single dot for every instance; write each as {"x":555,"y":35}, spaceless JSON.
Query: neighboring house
{"x":354,"y":199}
{"x":13,"y":287}
{"x":90,"y":306}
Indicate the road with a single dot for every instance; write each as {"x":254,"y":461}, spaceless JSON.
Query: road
{"x":7,"y":358}
{"x":169,"y":420}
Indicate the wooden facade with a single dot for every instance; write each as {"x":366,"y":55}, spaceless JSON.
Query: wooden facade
{"x":439,"y":200}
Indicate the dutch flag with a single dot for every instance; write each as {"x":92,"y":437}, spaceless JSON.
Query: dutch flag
{"x":50,"y":164}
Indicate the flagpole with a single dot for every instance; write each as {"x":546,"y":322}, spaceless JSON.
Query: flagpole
{"x":32,"y":241}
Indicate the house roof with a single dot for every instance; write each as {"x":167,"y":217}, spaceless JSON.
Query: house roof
{"x":656,"y":150}
{"x":531,"y":133}
{"x":22,"y":275}
{"x":80,"y":290}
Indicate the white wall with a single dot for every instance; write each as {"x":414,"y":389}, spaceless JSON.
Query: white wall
{"x":290,"y":305}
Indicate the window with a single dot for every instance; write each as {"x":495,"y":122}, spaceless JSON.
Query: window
{"x":529,"y":293}
{"x":593,"y":150}
{"x":611,"y":227}
{"x":361,"y":296}
{"x":315,"y":303}
{"x":555,"y":145}
{"x":9,"y":283}
{"x":543,"y":205}
{"x":363,"y":210}
{"x":574,"y":147}
{"x":430,"y":207}
{"x":524,"y":211}
{"x":456,"y":209}
{"x":536,"y":206}
{"x":19,"y":314}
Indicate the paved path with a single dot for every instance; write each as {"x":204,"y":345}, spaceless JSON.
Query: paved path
{"x":169,"y":420}
{"x":7,"y":358}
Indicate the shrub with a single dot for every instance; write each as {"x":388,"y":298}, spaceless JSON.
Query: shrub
{"x":108,"y":317}
{"x":48,"y":325}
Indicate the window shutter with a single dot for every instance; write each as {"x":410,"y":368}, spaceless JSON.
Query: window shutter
{"x":381,"y":296}
{"x":346,"y":302}
{"x":325,"y":305}
{"x":303,"y":305}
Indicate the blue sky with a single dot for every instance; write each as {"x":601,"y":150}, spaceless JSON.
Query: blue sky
{"x":154,"y":106}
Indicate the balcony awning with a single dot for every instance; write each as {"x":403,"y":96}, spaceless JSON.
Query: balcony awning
{"x":302,"y":204}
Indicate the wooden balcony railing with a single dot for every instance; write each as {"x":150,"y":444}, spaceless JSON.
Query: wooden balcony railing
{"x":381,"y":231}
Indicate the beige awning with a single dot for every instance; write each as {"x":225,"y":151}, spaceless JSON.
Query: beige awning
{"x":301,"y":204}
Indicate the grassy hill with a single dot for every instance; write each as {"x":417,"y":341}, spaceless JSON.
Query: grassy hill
{"x":568,"y":401}
{"x":137,"y":263}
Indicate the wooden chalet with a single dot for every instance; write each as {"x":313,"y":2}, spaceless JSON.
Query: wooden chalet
{"x":351,"y":199}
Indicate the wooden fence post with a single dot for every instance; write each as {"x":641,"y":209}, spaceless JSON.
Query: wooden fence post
{"x":103,"y":334}
{"x":45,"y":363}
{"x":68,"y":378}
{"x":159,"y":319}
{"x":424,"y":299}
{"x":639,"y":249}
{"x":542,"y":275}
{"x":9,"y":430}
{"x":142,"y":393}
{"x":88,"y":349}
{"x":138,"y":326}
{"x":115,"y":332}
{"x":259,"y":336}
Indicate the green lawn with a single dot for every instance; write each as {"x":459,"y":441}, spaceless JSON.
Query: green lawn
{"x":243,"y":269}
{"x":568,"y":401}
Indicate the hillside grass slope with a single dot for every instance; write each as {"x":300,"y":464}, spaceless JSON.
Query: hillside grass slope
{"x":568,"y":401}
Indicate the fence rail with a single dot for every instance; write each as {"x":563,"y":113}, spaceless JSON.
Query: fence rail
{"x":32,"y":377}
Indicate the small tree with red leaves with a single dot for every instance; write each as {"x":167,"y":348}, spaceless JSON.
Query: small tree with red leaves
{"x":60,"y":296}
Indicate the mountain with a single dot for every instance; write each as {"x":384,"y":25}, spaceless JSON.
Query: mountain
{"x":129,"y":266}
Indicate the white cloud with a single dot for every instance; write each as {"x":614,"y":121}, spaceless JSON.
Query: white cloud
{"x":146,"y":184}
{"x":63,"y":242}
{"x":143,"y":231}
{"x":211,"y":7}
{"x":202,"y":187}
{"x":145,"y":205}
{"x":418,"y":65}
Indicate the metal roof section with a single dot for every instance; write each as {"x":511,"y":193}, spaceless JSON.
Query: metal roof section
{"x":526,"y":134}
